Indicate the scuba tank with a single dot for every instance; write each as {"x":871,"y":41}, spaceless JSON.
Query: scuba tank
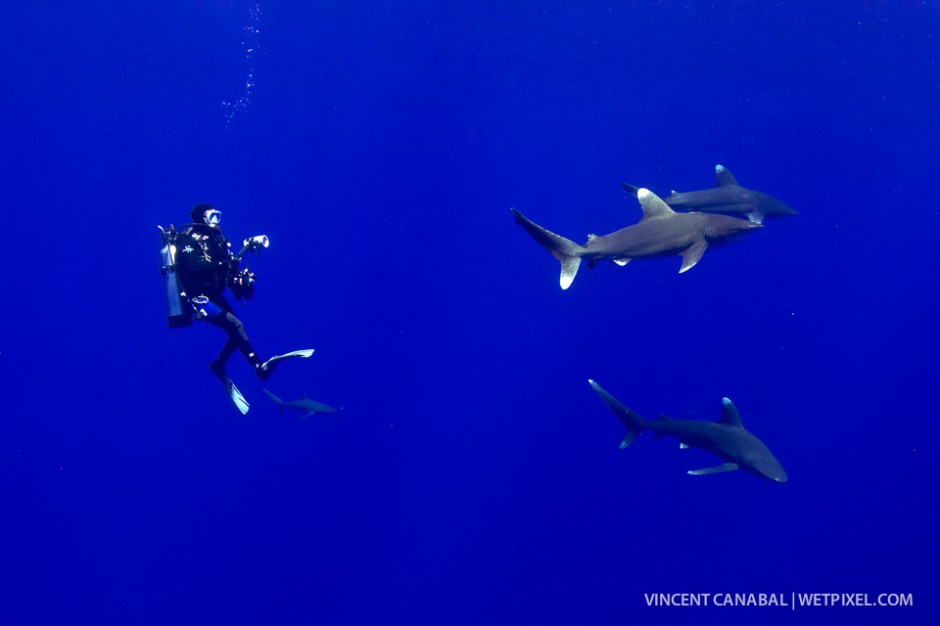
{"x":178,"y":311}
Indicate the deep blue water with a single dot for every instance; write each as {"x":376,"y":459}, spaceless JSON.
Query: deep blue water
{"x":471,"y":475}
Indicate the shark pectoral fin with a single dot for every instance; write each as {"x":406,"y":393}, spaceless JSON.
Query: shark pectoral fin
{"x":621,"y":262}
{"x":569,"y":269}
{"x":629,"y":438}
{"x":724,"y":467}
{"x":755,"y":217}
{"x":693,"y":255}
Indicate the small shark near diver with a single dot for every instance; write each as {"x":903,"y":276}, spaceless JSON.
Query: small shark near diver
{"x":727,"y":196}
{"x":305,"y":405}
{"x":661,"y":232}
{"x":725,"y":438}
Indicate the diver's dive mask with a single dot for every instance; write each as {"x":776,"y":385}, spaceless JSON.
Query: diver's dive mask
{"x":213,"y":217}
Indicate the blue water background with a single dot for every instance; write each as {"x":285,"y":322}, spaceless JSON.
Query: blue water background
{"x":471,"y":475}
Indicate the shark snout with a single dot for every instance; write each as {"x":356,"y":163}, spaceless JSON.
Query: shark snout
{"x":772,"y":469}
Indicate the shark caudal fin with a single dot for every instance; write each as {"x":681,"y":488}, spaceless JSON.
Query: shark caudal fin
{"x":634,"y":423}
{"x":566,"y":251}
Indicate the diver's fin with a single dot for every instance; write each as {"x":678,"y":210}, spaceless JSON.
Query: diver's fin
{"x":296,"y":354}
{"x":233,"y":393}
{"x":237,"y":398}
{"x":693,"y":255}
{"x":267,"y":368}
{"x":724,"y":467}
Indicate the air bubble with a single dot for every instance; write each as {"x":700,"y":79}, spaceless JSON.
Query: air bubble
{"x":233,"y":108}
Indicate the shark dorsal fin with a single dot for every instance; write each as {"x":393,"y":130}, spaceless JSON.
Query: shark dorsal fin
{"x":652,"y":205}
{"x":724,"y":177}
{"x":729,"y":413}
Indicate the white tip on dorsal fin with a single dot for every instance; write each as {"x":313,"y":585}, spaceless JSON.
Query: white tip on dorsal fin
{"x":591,"y":236}
{"x":723,"y":177}
{"x":683,"y":446}
{"x":652,"y":205}
{"x":729,"y":413}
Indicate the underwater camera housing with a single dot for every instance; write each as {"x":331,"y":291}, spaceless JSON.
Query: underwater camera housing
{"x":242,"y":284}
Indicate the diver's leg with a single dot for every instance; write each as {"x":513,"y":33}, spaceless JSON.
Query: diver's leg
{"x":238,"y":340}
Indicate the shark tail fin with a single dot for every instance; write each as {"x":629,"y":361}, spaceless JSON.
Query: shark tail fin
{"x":277,"y":401}
{"x":631,"y":419}
{"x":566,"y":251}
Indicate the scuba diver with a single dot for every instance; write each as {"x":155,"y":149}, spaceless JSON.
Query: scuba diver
{"x":205,"y":266}
{"x":197,"y":266}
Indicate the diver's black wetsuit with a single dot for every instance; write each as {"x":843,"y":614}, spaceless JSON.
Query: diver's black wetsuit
{"x":204,"y":263}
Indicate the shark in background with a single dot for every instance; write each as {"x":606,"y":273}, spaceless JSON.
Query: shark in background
{"x":305,"y":406}
{"x":727,"y":439}
{"x":661,"y":232}
{"x":728,"y":197}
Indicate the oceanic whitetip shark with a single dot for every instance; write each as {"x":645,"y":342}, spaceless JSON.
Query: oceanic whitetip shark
{"x":727,"y":196}
{"x":305,"y":406}
{"x":725,"y":438}
{"x":661,"y":232}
